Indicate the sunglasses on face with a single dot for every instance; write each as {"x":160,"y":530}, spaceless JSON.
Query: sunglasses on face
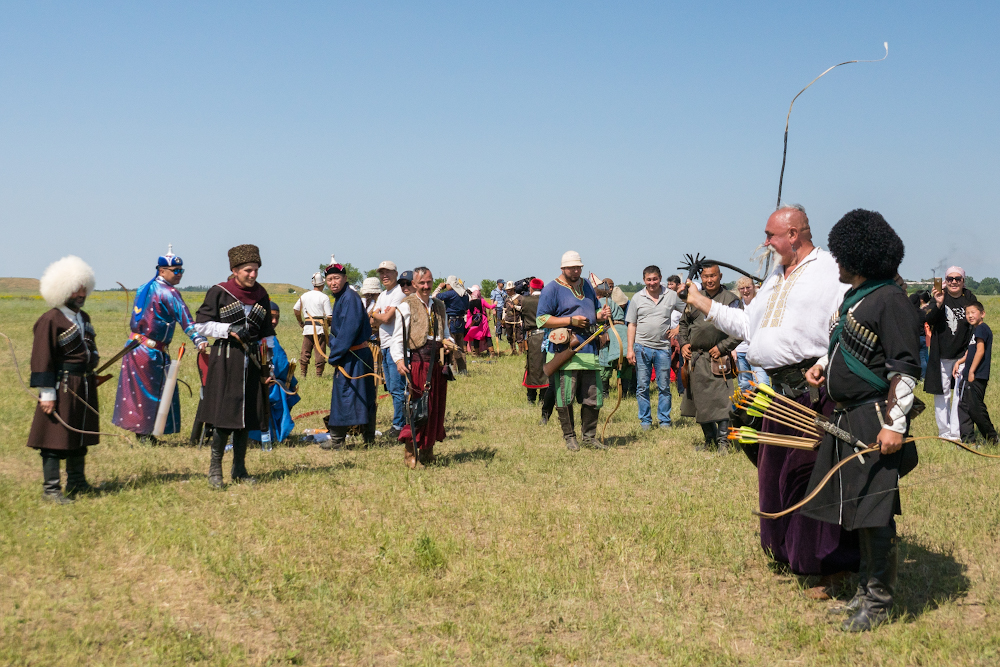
{"x":954,"y":279}
{"x":177,"y":272}
{"x":404,"y":283}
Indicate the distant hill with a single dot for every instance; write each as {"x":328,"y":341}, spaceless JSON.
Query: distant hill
{"x":19,"y":285}
{"x":280,"y":289}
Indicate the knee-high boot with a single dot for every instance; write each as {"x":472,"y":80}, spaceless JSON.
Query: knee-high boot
{"x":722,"y":436}
{"x":51,"y":484}
{"x":239,"y":472}
{"x":588,"y":425}
{"x":854,"y":604}
{"x":76,"y":479}
{"x":568,"y":428}
{"x":709,"y":430}
{"x":219,"y":439}
{"x":876,"y":606}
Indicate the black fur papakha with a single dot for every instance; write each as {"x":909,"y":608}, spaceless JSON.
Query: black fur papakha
{"x":864,"y":244}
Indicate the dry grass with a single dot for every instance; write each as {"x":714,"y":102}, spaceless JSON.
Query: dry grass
{"x":510,"y":551}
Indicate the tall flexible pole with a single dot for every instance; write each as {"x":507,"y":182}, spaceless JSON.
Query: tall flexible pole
{"x":784,"y":153}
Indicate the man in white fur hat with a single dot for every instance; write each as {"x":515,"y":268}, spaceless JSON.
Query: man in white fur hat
{"x":63,"y":359}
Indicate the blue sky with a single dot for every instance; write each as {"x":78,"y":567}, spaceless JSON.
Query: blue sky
{"x":484,"y":139}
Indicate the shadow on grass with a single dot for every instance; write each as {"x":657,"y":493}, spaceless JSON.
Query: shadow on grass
{"x":928,"y":578}
{"x":485,"y":454}
{"x":277,"y":475}
{"x":116,"y":485}
{"x":620,"y":440}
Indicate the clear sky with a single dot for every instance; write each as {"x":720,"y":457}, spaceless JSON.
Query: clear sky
{"x":484,"y":139}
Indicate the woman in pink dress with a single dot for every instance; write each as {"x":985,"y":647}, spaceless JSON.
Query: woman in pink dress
{"x":477,"y":324}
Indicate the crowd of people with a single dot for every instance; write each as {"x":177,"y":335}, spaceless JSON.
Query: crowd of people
{"x":828,"y":332}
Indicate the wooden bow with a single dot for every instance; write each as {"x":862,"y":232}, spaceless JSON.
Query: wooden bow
{"x":872,"y":448}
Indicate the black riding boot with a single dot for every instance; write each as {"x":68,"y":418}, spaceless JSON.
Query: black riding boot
{"x":722,"y":436}
{"x":548,"y":404}
{"x":219,"y":439}
{"x":338,"y":438}
{"x":369,"y":430}
{"x":852,"y":605}
{"x":568,"y":428}
{"x":588,"y":426}
{"x":876,"y":606}
{"x":709,"y":430}
{"x":239,"y":471}
{"x":76,"y":480}
{"x":51,"y":485}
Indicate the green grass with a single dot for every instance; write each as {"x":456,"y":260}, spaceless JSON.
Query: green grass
{"x":510,"y":551}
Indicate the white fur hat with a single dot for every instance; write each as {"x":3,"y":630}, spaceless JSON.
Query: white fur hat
{"x":64,"y":277}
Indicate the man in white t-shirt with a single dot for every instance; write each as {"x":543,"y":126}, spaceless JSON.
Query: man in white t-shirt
{"x":384,"y":314}
{"x":313,"y":313}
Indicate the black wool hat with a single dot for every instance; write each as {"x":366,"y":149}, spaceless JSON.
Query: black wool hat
{"x":864,"y":244}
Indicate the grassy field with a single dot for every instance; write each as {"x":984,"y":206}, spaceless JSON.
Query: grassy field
{"x":511,"y":550}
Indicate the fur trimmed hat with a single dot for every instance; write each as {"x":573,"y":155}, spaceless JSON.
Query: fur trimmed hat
{"x":864,"y":244}
{"x":244,"y":254}
{"x":64,"y":277}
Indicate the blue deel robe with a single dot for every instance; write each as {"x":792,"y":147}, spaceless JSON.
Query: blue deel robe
{"x":353,"y":401}
{"x":280,"y":402}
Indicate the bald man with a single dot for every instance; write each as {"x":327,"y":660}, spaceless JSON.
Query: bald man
{"x":788,"y":328}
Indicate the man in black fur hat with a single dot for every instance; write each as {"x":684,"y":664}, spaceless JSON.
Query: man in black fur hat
{"x":871,"y":369}
{"x":237,"y":314}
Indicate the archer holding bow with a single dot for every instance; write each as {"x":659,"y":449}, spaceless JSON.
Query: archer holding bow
{"x":870,"y":370}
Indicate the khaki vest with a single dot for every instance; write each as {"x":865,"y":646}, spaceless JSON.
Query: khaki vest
{"x":419,"y":322}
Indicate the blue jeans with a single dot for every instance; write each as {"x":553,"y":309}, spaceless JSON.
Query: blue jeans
{"x":397,"y":389}
{"x":760,"y":377}
{"x":646,"y":359}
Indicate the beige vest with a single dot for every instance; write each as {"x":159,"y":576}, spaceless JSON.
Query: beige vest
{"x":419,"y":322}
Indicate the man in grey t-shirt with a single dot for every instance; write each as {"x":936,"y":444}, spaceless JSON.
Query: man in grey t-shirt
{"x":648,"y":320}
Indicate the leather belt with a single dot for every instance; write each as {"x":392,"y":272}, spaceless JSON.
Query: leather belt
{"x":359,"y":346}
{"x":73,"y":369}
{"x":149,"y":342}
{"x":790,"y":380}
{"x":850,"y":405}
{"x":617,"y":321}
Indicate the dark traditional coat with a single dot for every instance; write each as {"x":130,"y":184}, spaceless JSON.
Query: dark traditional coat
{"x":534,"y":360}
{"x":352,"y":401}
{"x":866,"y":494}
{"x":235,"y":397}
{"x":708,"y":398}
{"x":64,"y":357}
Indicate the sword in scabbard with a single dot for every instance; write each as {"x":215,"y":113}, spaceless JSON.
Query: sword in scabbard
{"x":841,"y":434}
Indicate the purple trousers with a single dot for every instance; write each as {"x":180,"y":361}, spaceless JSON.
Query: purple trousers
{"x":808,"y":546}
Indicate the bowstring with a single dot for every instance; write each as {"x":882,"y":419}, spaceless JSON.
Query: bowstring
{"x":975,"y":470}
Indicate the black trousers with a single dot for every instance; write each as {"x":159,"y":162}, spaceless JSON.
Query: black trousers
{"x":972,"y":412}
{"x":548,"y":395}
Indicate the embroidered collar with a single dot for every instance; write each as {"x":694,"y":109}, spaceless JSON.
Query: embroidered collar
{"x":578,"y":295}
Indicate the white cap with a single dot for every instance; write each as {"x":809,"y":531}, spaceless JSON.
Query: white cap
{"x":318,"y":280}
{"x":371,"y":287}
{"x":509,"y":285}
{"x":571,"y":258}
{"x":387,"y":265}
{"x":474,"y":288}
{"x":456,"y":284}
